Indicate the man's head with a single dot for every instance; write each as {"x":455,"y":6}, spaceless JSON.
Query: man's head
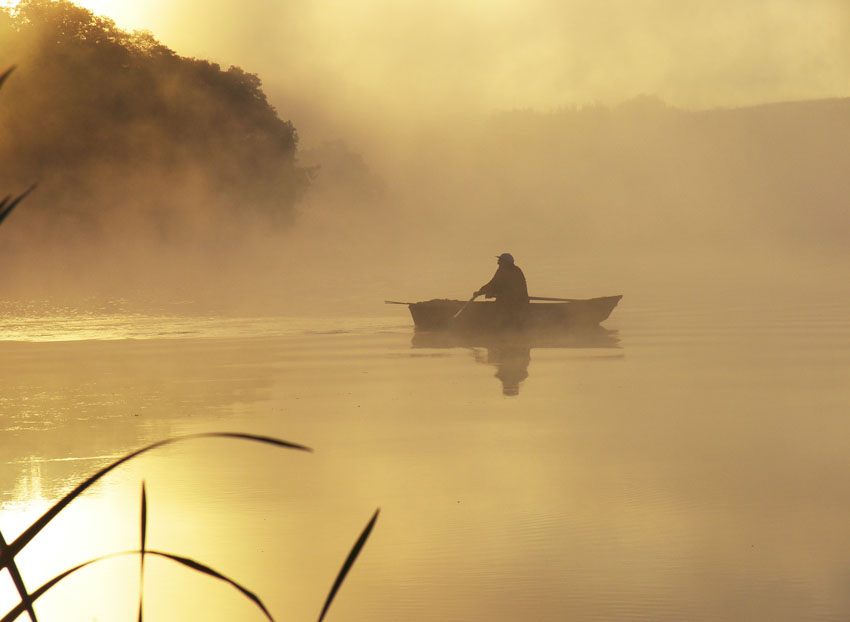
{"x":505,"y":258}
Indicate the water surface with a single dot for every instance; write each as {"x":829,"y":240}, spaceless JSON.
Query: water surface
{"x":691,"y":466}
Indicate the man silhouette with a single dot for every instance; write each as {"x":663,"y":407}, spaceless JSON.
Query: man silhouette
{"x":509,"y":288}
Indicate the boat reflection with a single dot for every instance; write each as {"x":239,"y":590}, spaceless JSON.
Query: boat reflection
{"x":510,"y":353}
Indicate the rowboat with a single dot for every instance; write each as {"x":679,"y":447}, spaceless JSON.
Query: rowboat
{"x":486,"y":316}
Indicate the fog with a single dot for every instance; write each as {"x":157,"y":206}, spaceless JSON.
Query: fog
{"x":406,"y":60}
{"x":660,"y":151}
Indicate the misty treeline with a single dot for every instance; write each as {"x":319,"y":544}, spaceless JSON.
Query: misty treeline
{"x":643,"y":175}
{"x":121,"y":133}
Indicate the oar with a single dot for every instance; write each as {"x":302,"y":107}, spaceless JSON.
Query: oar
{"x":554,"y":299}
{"x":465,"y":305}
{"x":395,"y":302}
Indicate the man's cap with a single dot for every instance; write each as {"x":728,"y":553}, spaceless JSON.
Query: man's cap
{"x":506,"y":257}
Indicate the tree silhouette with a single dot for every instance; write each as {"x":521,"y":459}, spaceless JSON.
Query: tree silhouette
{"x":115,"y":123}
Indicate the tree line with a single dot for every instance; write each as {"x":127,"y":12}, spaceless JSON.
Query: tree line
{"x":115,"y":125}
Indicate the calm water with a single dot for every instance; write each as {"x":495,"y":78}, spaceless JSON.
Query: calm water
{"x":690,"y":466}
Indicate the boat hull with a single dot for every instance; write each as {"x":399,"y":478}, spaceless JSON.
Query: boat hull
{"x":486,"y":316}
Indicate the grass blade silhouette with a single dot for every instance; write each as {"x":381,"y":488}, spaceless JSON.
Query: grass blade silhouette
{"x":28,"y":602}
{"x":5,"y":209}
{"x":14,"y":572}
{"x":18,"y":580}
{"x":6,"y":74}
{"x":144,"y":529}
{"x":349,"y":562}
{"x":194,"y":565}
{"x":190,"y":563}
{"x":8,"y":553}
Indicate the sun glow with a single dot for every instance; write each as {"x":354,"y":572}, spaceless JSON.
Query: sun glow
{"x":127,"y":15}
{"x":83,"y":532}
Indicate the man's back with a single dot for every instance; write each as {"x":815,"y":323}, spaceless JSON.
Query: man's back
{"x":507,"y":285}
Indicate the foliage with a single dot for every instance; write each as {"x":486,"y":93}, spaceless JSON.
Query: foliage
{"x":115,"y":123}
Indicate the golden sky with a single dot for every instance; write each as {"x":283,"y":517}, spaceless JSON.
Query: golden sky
{"x":517,"y":53}
{"x":332,"y":66}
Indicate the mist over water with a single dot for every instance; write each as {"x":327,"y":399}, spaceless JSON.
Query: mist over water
{"x":642,"y":199}
{"x":687,"y":463}
{"x":426,"y":161}
{"x":591,"y":202}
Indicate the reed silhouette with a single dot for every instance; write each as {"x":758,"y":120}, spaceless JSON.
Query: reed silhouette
{"x":9,"y":202}
{"x":9,"y":550}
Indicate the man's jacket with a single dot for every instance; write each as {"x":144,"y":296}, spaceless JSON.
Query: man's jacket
{"x":507,"y":285}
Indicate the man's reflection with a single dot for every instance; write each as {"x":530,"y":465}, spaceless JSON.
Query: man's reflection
{"x":511,"y":362}
{"x":511,"y":354}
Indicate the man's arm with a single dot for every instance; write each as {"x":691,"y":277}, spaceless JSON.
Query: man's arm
{"x":490,"y":289}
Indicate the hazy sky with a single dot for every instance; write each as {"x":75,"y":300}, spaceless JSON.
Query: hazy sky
{"x":404,"y":59}
{"x":400,"y":82}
